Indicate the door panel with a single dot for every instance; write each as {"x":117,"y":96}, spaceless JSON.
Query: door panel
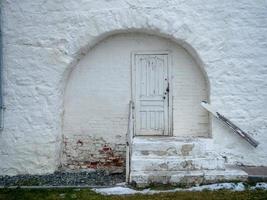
{"x":151,"y":95}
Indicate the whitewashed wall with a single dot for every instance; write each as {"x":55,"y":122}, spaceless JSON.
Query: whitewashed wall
{"x":44,"y":39}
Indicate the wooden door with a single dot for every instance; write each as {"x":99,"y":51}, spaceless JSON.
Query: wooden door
{"x":151,"y":88}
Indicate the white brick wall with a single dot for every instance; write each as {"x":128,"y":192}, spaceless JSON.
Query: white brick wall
{"x":44,"y":39}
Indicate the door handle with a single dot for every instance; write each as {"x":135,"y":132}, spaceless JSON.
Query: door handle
{"x":166,"y":92}
{"x":167,"y":89}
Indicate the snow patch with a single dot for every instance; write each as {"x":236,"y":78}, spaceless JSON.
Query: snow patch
{"x":262,"y":186}
{"x":118,"y":190}
{"x":124,"y":190}
{"x":219,"y":186}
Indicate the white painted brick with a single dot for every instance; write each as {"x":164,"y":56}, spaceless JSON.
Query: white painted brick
{"x":44,"y":40}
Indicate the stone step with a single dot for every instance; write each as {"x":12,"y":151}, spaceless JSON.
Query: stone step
{"x":172,"y":146}
{"x":174,"y":163}
{"x":144,"y":178}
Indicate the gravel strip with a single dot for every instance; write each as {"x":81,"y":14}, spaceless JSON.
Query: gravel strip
{"x":84,"y":178}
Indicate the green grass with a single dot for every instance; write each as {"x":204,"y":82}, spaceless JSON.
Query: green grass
{"x":86,"y":194}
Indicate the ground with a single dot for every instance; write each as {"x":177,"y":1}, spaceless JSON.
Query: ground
{"x":84,"y":194}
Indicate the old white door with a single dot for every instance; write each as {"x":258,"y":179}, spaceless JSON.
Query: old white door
{"x":151,"y":93}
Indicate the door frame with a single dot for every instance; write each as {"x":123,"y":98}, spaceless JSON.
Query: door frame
{"x":170,"y":80}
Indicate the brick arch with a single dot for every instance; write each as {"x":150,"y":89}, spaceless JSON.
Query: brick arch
{"x":112,"y":22}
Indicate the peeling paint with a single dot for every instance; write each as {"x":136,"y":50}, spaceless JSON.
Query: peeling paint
{"x":85,"y":152}
{"x":188,"y":164}
{"x":186,"y":149}
{"x":163,"y":165}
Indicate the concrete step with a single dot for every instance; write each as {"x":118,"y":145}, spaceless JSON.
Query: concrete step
{"x":175,"y":163}
{"x":172,"y":146}
{"x":144,"y":178}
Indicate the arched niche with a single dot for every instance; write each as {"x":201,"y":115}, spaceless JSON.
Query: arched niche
{"x":98,"y":91}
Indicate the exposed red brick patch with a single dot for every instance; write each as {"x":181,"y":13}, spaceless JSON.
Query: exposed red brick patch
{"x":88,"y":153}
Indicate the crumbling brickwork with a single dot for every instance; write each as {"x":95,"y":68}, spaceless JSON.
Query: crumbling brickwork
{"x":85,"y":152}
